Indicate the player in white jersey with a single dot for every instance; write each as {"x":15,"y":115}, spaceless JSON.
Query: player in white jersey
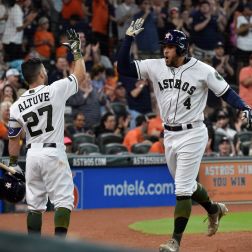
{"x":181,"y":86}
{"x":40,"y":113}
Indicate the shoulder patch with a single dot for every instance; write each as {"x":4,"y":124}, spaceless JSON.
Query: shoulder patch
{"x":218,"y":76}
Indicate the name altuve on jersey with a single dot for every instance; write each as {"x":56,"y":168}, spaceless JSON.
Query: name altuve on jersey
{"x":177,"y":83}
{"x":33,"y":100}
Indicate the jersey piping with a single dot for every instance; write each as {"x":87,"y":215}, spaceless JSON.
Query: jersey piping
{"x":224,"y":91}
{"x":180,"y":89}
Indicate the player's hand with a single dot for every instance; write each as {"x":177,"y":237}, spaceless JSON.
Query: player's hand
{"x":74,"y":43}
{"x":247,"y":115}
{"x":135,"y":27}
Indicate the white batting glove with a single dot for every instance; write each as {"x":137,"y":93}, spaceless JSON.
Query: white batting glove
{"x":135,"y":27}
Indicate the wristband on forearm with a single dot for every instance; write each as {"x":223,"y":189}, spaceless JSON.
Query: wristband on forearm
{"x":77,"y":55}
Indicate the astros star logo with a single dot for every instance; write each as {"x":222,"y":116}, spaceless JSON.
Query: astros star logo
{"x":8,"y":185}
{"x":168,"y":36}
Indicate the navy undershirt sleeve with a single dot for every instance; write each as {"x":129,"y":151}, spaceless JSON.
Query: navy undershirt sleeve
{"x":125,"y":66}
{"x":234,"y":100}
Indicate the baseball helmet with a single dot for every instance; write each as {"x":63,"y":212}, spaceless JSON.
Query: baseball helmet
{"x":177,"y":38}
{"x":12,"y":189}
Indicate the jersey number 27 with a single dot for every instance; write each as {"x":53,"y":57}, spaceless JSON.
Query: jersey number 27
{"x":35,"y":120}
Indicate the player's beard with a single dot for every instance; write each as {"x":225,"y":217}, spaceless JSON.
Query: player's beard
{"x":173,"y":62}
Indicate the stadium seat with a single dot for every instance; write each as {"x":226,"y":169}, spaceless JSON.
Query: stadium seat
{"x":244,"y":136}
{"x":140,"y":148}
{"x":119,"y":108}
{"x":151,"y":115}
{"x":107,"y":138}
{"x":79,"y":138}
{"x":115,"y":148}
{"x":88,"y":148}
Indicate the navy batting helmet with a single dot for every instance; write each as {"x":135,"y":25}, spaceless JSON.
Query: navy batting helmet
{"x":12,"y":189}
{"x":177,"y":38}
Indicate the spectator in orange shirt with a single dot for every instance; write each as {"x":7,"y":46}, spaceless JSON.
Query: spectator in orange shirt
{"x":73,"y":7}
{"x":155,"y":126}
{"x":44,"y":40}
{"x":61,"y":50}
{"x":245,"y":85}
{"x":158,"y":147}
{"x":138,"y":134}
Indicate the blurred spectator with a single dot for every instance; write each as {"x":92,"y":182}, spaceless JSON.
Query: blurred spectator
{"x":100,"y":24}
{"x":239,"y":124}
{"x":78,"y":125}
{"x":61,"y":50}
{"x":8,"y":94}
{"x":158,"y":147}
{"x":54,"y":8}
{"x":138,"y":134}
{"x":123,"y":14}
{"x":13,"y":33}
{"x":223,"y":63}
{"x":4,"y":115}
{"x":206,"y":31}
{"x":88,"y":100}
{"x":69,"y":144}
{"x":225,"y":148}
{"x":138,"y":94}
{"x":147,"y":42}
{"x":13,"y":78}
{"x":120,"y":94}
{"x":222,"y":125}
{"x":175,"y":20}
{"x":61,"y":70}
{"x":3,"y":17}
{"x":107,"y":125}
{"x":244,"y":36}
{"x":209,"y":150}
{"x":98,"y":76}
{"x":44,"y":41}
{"x":155,"y":126}
{"x":73,"y":7}
{"x":245,"y":83}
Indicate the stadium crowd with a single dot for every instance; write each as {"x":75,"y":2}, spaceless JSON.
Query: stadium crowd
{"x":114,"y":114}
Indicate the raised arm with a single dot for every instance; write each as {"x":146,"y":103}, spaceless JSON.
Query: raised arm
{"x":125,"y":66}
{"x":74,"y":44}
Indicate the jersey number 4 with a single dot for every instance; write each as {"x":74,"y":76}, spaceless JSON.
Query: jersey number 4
{"x":187,"y":103}
{"x":33,"y":120}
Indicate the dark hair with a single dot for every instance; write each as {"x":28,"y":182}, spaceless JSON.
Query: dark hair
{"x":77,"y":114}
{"x":105,"y":117}
{"x":140,"y":119}
{"x":13,"y":91}
{"x":30,"y":69}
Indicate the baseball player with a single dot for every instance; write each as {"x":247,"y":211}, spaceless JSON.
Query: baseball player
{"x":181,"y":85}
{"x":40,"y":112}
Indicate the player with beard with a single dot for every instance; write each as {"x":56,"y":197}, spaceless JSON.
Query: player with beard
{"x":181,"y":86}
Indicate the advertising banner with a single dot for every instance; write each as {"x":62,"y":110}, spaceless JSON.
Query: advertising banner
{"x":228,"y":181}
{"x":136,"y":186}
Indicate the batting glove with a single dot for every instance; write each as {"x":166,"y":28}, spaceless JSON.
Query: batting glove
{"x":247,"y":114}
{"x":74,"y":43}
{"x":135,"y":27}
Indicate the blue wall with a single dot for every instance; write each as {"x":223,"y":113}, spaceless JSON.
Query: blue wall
{"x":111,"y":187}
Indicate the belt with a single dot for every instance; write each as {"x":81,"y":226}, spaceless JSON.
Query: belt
{"x":45,"y":145}
{"x":178,"y":128}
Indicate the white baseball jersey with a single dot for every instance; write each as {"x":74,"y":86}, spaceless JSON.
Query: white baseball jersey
{"x":181,"y":92}
{"x":40,"y":112}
